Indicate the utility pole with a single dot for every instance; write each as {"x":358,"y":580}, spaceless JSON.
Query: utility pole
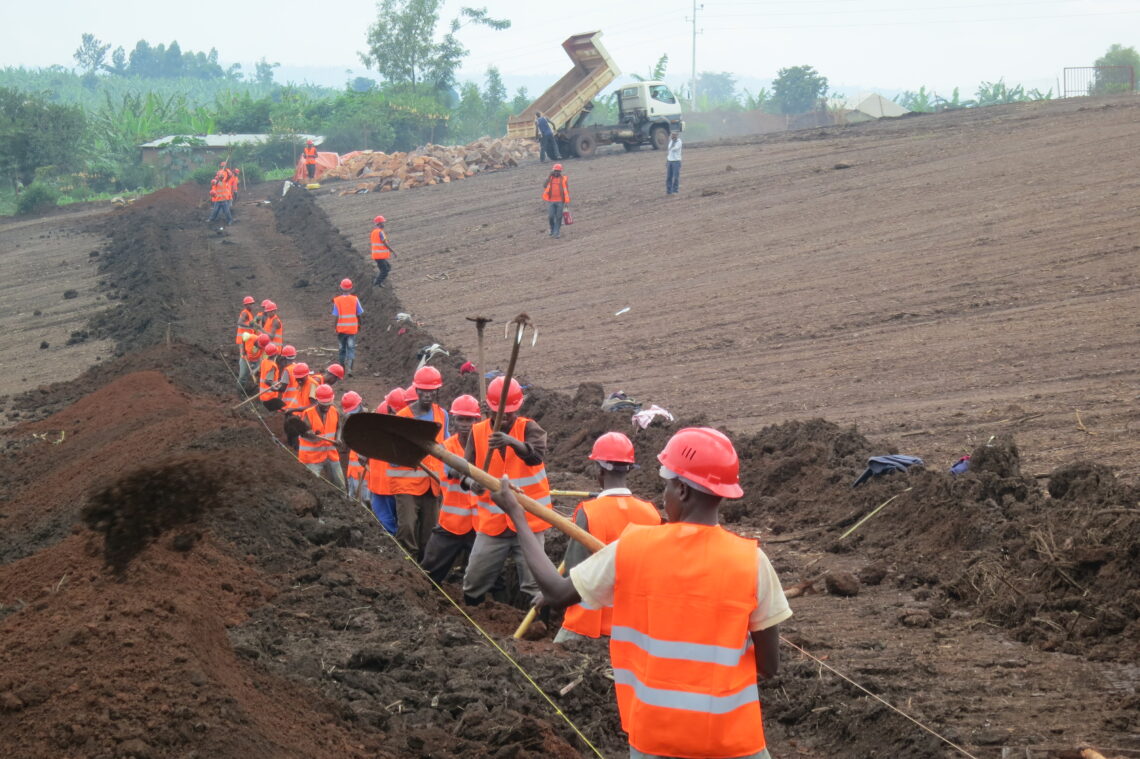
{"x":693,"y":73}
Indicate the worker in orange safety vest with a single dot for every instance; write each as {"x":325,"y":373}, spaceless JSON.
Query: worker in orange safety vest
{"x":381,"y":251}
{"x":379,"y":484}
{"x":417,"y":489}
{"x":271,"y":323}
{"x":356,"y":473}
{"x":695,"y":610}
{"x":605,"y":517}
{"x":348,"y":316}
{"x":253,"y":349}
{"x":220,"y":196}
{"x":269,"y":374}
{"x":519,"y":450}
{"x":246,"y":320}
{"x":556,"y":193}
{"x":454,"y":533}
{"x":310,"y":156}
{"x":318,"y":439}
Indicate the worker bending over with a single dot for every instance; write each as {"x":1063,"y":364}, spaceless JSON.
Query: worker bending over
{"x":695,"y":610}
{"x":318,"y":438}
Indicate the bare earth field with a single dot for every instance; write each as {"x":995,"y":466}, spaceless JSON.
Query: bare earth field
{"x":174,"y":584}
{"x":944,"y":277}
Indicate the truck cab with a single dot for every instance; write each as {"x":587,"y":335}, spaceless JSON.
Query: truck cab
{"x":652,"y":110}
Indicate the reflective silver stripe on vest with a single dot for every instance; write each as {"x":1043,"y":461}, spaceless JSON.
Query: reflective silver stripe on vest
{"x":534,"y":479}
{"x":405,"y":473}
{"x":457,"y":511}
{"x":680,"y":699}
{"x":676,"y":649}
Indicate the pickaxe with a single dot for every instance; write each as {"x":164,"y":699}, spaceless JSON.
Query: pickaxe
{"x":480,"y":323}
{"x":520,"y":322}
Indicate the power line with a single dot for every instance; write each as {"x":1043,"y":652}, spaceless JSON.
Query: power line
{"x":858,"y":25}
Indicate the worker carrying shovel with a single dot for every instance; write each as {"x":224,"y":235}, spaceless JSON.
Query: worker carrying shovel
{"x":695,"y":609}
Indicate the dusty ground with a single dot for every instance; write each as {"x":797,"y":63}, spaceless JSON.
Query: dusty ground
{"x":172,"y":584}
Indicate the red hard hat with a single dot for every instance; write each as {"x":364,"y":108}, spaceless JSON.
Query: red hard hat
{"x":222,"y":164}
{"x":427,"y":378}
{"x":289,"y":351}
{"x":346,"y":284}
{"x":308,"y":142}
{"x":410,"y":395}
{"x":514,"y":395}
{"x":349,"y":402}
{"x":265,"y":302}
{"x":300,"y":370}
{"x":325,"y":394}
{"x":379,"y":220}
{"x":556,"y":167}
{"x":336,"y":370}
{"x":705,"y":458}
{"x":614,"y":447}
{"x":268,"y":305}
{"x":466,"y":405}
{"x":272,"y":349}
{"x":395,"y":399}
{"x":263,"y":340}
{"x":247,"y":300}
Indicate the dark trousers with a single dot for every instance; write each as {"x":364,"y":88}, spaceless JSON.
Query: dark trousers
{"x":548,"y":148}
{"x":382,"y":269}
{"x":672,"y":176}
{"x":311,"y":170}
{"x":221,"y":207}
{"x":554,"y":216}
{"x":443,"y":548}
{"x":416,"y":515}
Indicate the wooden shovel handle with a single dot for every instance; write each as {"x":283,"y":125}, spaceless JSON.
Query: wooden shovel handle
{"x":528,"y":620}
{"x":490,"y":482}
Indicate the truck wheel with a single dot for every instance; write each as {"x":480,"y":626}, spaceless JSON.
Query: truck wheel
{"x":583,"y":145}
{"x":660,"y":138}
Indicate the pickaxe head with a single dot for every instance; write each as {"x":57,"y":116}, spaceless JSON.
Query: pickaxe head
{"x":520,"y":323}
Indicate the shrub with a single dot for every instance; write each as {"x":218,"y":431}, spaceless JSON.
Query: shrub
{"x":37,"y":197}
{"x":203,"y":174}
{"x":253,"y":174}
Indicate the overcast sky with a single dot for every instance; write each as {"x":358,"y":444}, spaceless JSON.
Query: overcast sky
{"x":867,"y":44}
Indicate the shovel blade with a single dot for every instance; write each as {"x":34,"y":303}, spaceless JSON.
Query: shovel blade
{"x":399,"y":440}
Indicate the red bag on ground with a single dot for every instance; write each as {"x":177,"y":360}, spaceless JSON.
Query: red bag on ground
{"x":567,"y":219}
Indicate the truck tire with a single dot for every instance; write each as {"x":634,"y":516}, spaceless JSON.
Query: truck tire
{"x":659,"y":137}
{"x":583,"y":145}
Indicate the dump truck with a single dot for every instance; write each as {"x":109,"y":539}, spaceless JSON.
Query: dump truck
{"x":647,"y":111}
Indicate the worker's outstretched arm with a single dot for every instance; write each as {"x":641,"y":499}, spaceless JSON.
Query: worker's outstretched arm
{"x":766,"y":645}
{"x":557,"y":590}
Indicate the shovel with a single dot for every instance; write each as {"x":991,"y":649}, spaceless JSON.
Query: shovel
{"x":403,"y":441}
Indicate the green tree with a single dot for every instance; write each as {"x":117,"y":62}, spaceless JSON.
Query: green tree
{"x":798,"y":89}
{"x":91,"y":55}
{"x":242,"y":114}
{"x":521,"y":101}
{"x":1109,"y":81}
{"x":402,"y":47}
{"x":118,"y":65}
{"x":35,"y":132}
{"x":263,"y":72}
{"x":657,"y":73}
{"x":469,"y":117}
{"x":716,"y":90}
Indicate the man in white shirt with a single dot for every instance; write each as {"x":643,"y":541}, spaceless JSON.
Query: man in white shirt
{"x":673,"y":164}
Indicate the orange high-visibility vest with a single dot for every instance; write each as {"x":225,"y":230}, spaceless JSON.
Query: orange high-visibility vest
{"x":380,"y":247}
{"x":275,"y":329}
{"x":457,"y":510}
{"x":310,"y":154}
{"x":378,"y":481}
{"x":245,"y":317}
{"x":269,"y":374}
{"x":607,"y":517}
{"x":347,"y":322}
{"x":319,"y":451}
{"x":491,"y":520}
{"x":356,"y":466}
{"x":684,"y":665}
{"x":292,"y":388}
{"x":234,"y":183}
{"x":557,"y":189}
{"x":252,"y":351}
{"x":416,"y":481}
{"x":304,"y":392}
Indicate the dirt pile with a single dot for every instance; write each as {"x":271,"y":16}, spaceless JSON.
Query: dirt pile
{"x":429,"y":165}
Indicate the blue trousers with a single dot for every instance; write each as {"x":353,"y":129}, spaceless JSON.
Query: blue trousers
{"x":554,"y":217}
{"x":672,"y":176}
{"x":221,"y":207}
{"x":347,"y":349}
{"x":384,"y":507}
